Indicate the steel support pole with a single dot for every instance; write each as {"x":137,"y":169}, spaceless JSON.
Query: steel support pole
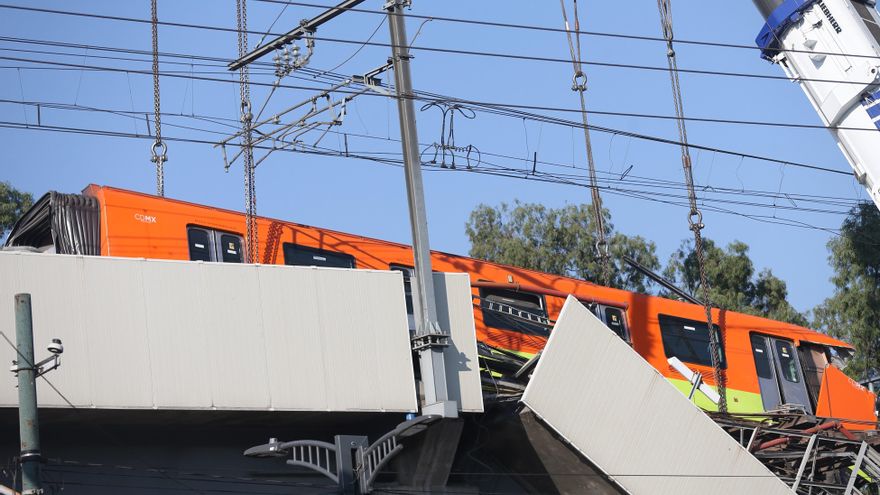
{"x":857,"y":466}
{"x":29,"y":428}
{"x":803,"y":466}
{"x":429,"y":336}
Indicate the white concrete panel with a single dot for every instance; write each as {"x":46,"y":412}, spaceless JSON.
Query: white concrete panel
{"x":184,"y":335}
{"x":115,"y":331}
{"x":297,"y":361}
{"x":233,"y":321}
{"x":376,"y":300}
{"x":59,"y":285}
{"x":626,"y":418}
{"x":455,"y":311}
{"x":179,"y":340}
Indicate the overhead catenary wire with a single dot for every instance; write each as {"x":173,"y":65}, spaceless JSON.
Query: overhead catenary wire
{"x":512,"y":110}
{"x":516,"y":174}
{"x":636,"y":37}
{"x":510,"y":56}
{"x":714,"y":120}
{"x":608,"y":177}
{"x":549,"y":29}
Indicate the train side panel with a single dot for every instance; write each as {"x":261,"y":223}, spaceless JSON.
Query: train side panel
{"x":139,"y":225}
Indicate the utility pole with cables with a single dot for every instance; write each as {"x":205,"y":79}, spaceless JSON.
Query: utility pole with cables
{"x":27,"y":371}
{"x":429,"y":339}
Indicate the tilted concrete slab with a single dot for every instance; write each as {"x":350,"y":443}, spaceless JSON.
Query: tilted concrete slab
{"x":630,"y":422}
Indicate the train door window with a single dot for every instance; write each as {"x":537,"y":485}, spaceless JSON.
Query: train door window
{"x":514,"y":310}
{"x":771,"y":394}
{"x":615,"y":319}
{"x":787,"y":361}
{"x":688,"y":340}
{"x":407,"y":272}
{"x":788,"y":369}
{"x":200,"y":244}
{"x":294,"y":254}
{"x":213,"y":245}
{"x":230,"y":248}
{"x":814,"y":359}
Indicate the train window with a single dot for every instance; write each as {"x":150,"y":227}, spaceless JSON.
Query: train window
{"x":514,"y":310}
{"x":407,"y":272}
{"x":230,"y":248}
{"x":688,"y":340}
{"x":213,"y":245}
{"x":787,"y":361}
{"x":762,"y":357}
{"x":614,"y":320}
{"x":200,"y":245}
{"x":294,"y":254}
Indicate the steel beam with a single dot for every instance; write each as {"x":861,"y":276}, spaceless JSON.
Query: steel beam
{"x":306,"y":26}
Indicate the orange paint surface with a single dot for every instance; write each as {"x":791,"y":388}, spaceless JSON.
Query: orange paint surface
{"x":841,"y":397}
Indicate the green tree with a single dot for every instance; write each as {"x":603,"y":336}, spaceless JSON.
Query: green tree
{"x":13,"y":203}
{"x":852,"y":313}
{"x":556,"y":240}
{"x":732,"y":282}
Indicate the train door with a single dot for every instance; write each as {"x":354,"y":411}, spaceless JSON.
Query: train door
{"x":779,"y":373}
{"x":771,"y":396}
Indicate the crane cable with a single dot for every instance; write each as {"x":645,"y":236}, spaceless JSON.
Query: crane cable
{"x":695,"y":217}
{"x":579,"y":84}
{"x":252,"y":251}
{"x":159,"y":150}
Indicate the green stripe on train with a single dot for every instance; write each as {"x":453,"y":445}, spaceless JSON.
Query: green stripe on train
{"x":738,"y":401}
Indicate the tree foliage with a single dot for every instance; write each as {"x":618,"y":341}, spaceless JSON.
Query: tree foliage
{"x":732,"y":281}
{"x":13,"y":204}
{"x":556,"y":240}
{"x":852,"y":313}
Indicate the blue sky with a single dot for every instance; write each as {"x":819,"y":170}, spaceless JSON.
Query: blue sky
{"x":369,"y":198}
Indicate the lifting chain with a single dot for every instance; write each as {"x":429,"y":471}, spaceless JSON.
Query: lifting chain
{"x":158,"y":150}
{"x":579,"y":84}
{"x":695,"y":217}
{"x":247,"y":118}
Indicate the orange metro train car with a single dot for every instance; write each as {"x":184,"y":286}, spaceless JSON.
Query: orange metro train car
{"x":768,"y":363}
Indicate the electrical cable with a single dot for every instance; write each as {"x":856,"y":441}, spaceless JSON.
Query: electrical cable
{"x":529,"y":27}
{"x":508,"y":105}
{"x":610,"y":178}
{"x":510,"y":56}
{"x":518,"y":175}
{"x":483,"y":107}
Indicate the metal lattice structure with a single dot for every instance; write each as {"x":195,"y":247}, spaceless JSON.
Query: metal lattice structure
{"x":814,"y":456}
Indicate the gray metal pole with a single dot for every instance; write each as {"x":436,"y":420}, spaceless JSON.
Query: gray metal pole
{"x":430,"y":338}
{"x":28,"y":425}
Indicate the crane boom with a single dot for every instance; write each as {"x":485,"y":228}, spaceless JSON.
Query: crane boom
{"x":831,"y":48}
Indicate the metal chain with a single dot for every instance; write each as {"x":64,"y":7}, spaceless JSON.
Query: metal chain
{"x":695,"y":217}
{"x":247,"y":137}
{"x":159,"y":150}
{"x":579,"y":84}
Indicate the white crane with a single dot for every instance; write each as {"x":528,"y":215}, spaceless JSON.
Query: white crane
{"x":831,"y":48}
